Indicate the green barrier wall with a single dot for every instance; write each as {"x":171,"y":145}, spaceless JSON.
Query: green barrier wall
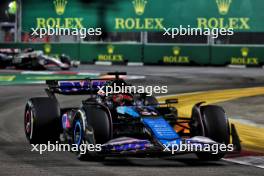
{"x":237,"y":55}
{"x":110,"y":52}
{"x":176,"y":54}
{"x":154,"y":54}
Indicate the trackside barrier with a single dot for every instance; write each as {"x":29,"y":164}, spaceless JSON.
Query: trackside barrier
{"x":165,"y":54}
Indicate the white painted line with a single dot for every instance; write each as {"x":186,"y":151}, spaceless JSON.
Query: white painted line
{"x":237,"y":66}
{"x":256,"y":161}
{"x":35,"y":82}
{"x":88,"y":73}
{"x":103,"y":63}
{"x":135,"y":77}
{"x":38,"y":72}
{"x":59,"y":73}
{"x":135,"y":64}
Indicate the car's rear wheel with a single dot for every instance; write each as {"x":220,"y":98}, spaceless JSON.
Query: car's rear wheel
{"x":65,"y":59}
{"x":42,"y":120}
{"x":216,"y":127}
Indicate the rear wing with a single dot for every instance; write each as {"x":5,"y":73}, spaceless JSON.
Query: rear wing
{"x":80,"y":86}
{"x":77,"y":86}
{"x":10,"y":51}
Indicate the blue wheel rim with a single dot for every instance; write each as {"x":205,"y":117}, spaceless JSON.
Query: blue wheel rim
{"x":78,"y":133}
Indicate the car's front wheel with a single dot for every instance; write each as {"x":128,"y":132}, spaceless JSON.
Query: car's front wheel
{"x":214,"y":126}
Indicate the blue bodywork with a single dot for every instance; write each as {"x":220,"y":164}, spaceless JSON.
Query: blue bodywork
{"x":128,"y":110}
{"x":160,"y":129}
{"x":80,"y":85}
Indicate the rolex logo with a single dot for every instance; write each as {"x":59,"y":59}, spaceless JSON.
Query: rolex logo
{"x":176,"y":51}
{"x":60,"y":6}
{"x":139,"y":6}
{"x":223,"y":6}
{"x":110,"y":49}
{"x":244,"y":52}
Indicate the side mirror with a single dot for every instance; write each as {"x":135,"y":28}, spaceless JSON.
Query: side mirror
{"x":171,"y":101}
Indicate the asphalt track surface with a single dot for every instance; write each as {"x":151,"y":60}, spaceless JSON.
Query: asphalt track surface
{"x":17,"y":159}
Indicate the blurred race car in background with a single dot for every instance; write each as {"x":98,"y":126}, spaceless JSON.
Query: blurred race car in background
{"x":124,"y":124}
{"x":34,"y":60}
{"x":7,"y":55}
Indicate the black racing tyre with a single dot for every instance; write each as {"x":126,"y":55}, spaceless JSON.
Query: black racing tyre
{"x":42,"y":120}
{"x":5,"y":61}
{"x":99,"y":120}
{"x":66,"y":68}
{"x":216,"y":127}
{"x":65,"y":59}
{"x":2,"y":66}
{"x":99,"y":123}
{"x":151,"y":101}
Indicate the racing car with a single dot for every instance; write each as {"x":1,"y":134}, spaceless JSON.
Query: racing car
{"x":124,"y":124}
{"x":6,"y":56}
{"x":35,"y":60}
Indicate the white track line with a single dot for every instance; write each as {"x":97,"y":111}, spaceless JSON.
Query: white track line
{"x":37,"y":72}
{"x":103,"y":63}
{"x":135,"y":64}
{"x":237,"y":66}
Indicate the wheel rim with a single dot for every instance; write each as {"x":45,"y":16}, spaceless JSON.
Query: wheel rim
{"x":29,"y":123}
{"x":77,"y":133}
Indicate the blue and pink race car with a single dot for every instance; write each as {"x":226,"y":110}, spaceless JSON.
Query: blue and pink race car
{"x":126,"y":124}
